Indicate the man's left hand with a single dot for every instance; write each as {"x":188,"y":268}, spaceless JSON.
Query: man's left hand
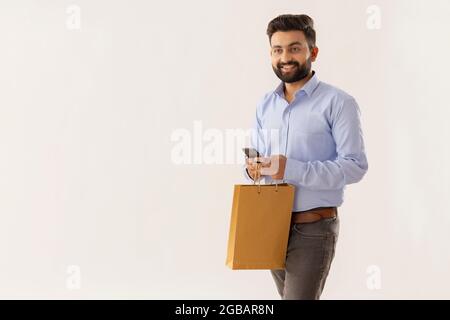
{"x":273,"y":166}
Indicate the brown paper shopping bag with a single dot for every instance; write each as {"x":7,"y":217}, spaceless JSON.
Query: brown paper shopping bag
{"x":259,"y":227}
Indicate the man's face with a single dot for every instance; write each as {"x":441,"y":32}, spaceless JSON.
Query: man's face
{"x":291,"y":57}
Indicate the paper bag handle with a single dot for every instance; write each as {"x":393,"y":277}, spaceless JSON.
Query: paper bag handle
{"x":258,"y":167}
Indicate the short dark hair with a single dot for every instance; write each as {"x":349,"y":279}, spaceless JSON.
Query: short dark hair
{"x":294,"y":22}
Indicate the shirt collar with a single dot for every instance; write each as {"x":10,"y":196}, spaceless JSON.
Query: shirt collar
{"x":308,"y":87}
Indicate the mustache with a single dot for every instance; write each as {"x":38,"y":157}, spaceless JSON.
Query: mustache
{"x":288,"y":64}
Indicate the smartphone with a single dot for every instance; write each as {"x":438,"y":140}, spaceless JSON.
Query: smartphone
{"x":251,"y":153}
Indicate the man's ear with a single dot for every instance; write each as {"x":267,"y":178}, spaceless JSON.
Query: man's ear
{"x":314,"y":53}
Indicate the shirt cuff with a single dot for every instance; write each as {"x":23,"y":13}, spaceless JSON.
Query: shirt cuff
{"x":246,"y":175}
{"x":295,"y":170}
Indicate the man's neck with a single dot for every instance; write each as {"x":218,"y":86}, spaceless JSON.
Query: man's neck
{"x":291,"y":88}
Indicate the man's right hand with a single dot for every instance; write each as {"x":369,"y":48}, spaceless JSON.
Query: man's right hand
{"x":252,"y":169}
{"x":254,"y":166}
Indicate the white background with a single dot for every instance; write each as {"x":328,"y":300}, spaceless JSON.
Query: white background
{"x":86,"y":118}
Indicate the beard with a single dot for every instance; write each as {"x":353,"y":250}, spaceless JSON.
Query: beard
{"x":298,"y":73}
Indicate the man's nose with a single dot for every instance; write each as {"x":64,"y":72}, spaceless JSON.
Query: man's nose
{"x":285,"y":57}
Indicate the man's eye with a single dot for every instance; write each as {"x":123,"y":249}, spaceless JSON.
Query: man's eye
{"x":295,"y":49}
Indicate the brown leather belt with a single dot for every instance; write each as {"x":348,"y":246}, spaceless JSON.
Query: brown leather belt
{"x":313,"y":215}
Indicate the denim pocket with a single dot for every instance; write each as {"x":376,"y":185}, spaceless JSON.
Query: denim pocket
{"x":312,"y":230}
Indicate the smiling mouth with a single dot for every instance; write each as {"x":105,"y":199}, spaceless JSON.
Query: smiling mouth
{"x":288,"y":68}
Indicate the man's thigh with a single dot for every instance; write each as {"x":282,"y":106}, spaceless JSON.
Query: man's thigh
{"x":310,"y":253}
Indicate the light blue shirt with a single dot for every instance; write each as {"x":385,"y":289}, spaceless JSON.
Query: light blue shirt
{"x":320,"y":134}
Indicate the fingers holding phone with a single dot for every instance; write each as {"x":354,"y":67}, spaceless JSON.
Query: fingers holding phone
{"x":254,"y":169}
{"x":254,"y":162}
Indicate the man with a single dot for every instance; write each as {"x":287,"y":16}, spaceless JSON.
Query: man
{"x":319,"y":149}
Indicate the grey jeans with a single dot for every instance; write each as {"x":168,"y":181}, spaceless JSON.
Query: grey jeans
{"x":309,"y":255}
